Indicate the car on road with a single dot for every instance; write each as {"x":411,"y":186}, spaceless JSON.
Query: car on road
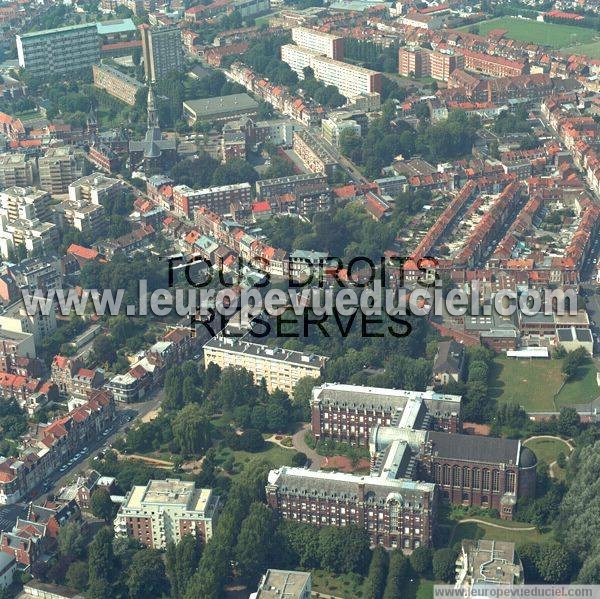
{"x":62,"y":468}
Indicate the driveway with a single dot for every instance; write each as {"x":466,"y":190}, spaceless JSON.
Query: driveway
{"x":299,"y":444}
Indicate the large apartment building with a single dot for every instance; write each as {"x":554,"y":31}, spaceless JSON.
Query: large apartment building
{"x":117,"y":84}
{"x":351,"y":80}
{"x":280,"y":368}
{"x":162,"y":51}
{"x":298,"y":185}
{"x":315,"y":155}
{"x":163,"y":511}
{"x":15,"y":318}
{"x":58,"y":168}
{"x":216,"y":199}
{"x":494,"y":66}
{"x":59,"y":51}
{"x":421,"y":62}
{"x":16,"y":170}
{"x":96,"y":188}
{"x":25,"y":203}
{"x":25,"y":220}
{"x":328,"y":44}
{"x":395,"y":512}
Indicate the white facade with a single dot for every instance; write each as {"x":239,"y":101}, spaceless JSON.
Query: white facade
{"x":324,"y":43}
{"x":349,"y":79}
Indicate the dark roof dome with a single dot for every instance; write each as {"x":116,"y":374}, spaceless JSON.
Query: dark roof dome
{"x":527,"y":458}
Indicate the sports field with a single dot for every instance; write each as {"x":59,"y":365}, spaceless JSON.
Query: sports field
{"x":535,"y":32}
{"x":592,"y":50}
{"x":537,"y":384}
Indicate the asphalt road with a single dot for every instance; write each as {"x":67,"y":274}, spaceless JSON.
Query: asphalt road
{"x":126,"y":415}
{"x":9,"y":515}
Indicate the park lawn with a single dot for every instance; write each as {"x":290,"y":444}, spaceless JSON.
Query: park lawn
{"x":347,"y":586}
{"x":547,"y":450}
{"x":592,"y":50}
{"x":581,"y":389}
{"x":265,"y":18}
{"x":533,"y":384}
{"x":529,"y":383}
{"x":535,"y":32}
{"x":275,"y":455}
{"x":475,"y":530}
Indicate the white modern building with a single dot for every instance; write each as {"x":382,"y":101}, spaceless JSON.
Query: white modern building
{"x":350,"y":80}
{"x":327,"y":44}
{"x":163,"y":511}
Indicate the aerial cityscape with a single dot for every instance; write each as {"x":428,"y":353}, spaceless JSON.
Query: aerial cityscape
{"x":299,"y":298}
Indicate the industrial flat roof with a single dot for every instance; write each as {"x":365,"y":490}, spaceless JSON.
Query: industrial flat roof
{"x":57,"y":30}
{"x":115,"y":26}
{"x":221,"y":105}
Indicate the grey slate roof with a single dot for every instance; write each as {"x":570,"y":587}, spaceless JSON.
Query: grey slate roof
{"x":475,"y":448}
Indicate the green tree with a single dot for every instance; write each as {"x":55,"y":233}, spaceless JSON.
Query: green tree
{"x":192,"y":430}
{"x":189,"y":391}
{"x":376,"y":580}
{"x":302,"y":542}
{"x":173,"y":386}
{"x":568,"y":423}
{"x":104,"y":349}
{"x":420,"y":561}
{"x":181,"y":563}
{"x":344,"y":549}
{"x":146,"y":575}
{"x":257,"y":542}
{"x":77,"y":575}
{"x":102,"y":565}
{"x":444,"y":564}
{"x":234,"y":388}
{"x":554,"y":563}
{"x":398,"y":573}
{"x":101,"y":505}
{"x":573,"y":361}
{"x":71,"y":540}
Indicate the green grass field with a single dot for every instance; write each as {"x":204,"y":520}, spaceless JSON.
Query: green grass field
{"x":547,"y":449}
{"x":474,"y":530}
{"x":275,"y":455}
{"x":533,"y":384}
{"x":535,"y":32}
{"x":592,"y":50}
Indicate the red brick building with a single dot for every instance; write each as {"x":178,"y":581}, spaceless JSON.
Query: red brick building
{"x":347,"y":413}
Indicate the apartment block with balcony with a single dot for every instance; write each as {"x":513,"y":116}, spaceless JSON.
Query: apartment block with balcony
{"x":96,"y":188}
{"x":163,"y":511}
{"x":16,"y":170}
{"x":25,"y":203}
{"x":216,"y":199}
{"x":351,"y":80}
{"x":162,"y":50}
{"x":315,"y":155}
{"x":280,"y":368}
{"x":59,"y":51}
{"x":117,"y":84}
{"x":14,"y":318}
{"x":299,"y":185}
{"x":328,"y":44}
{"x":58,"y":168}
